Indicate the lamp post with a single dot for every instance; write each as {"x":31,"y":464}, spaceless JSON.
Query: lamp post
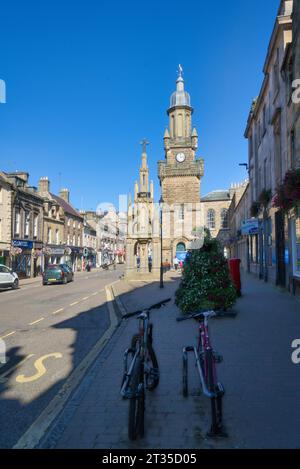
{"x":161,"y":280}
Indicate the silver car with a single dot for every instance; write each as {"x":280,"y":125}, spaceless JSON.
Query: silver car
{"x":8,"y":278}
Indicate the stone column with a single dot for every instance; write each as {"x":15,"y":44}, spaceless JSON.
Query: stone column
{"x":156,"y":256}
{"x":130,"y":259}
{"x":144,"y":257}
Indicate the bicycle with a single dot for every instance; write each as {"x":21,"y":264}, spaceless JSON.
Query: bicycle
{"x":206,"y":359}
{"x":143,"y":371}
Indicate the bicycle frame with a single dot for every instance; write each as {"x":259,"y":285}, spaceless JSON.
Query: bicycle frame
{"x":141,"y":351}
{"x":203,"y":344}
{"x":201,"y":351}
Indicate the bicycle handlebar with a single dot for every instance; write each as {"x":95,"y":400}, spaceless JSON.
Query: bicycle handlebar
{"x":140,"y":311}
{"x":217,"y":314}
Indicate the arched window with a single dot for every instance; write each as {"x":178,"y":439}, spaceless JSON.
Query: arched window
{"x":180,"y":247}
{"x":211,"y":219}
{"x":224,"y":218}
{"x":173,"y":127}
{"x":180,"y":126}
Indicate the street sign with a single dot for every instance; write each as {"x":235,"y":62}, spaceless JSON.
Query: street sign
{"x":250,"y":226}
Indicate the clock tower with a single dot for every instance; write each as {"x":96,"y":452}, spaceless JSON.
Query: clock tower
{"x":180,"y":175}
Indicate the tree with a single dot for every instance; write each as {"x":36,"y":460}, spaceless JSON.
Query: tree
{"x":206,"y":283}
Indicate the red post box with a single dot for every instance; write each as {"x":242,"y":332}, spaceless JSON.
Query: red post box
{"x":234,"y":267}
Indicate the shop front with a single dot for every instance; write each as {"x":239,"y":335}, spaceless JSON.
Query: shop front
{"x":120,"y":256}
{"x":5,"y":257}
{"x":89,"y":257}
{"x":26,"y":257}
{"x":53,"y":255}
{"x":295,"y":251}
{"x":74,"y":257}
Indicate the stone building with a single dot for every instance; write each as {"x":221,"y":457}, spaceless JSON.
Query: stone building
{"x":238,"y":213}
{"x":73,"y":230}
{"x":6,"y":195}
{"x":142,"y":241}
{"x":291,"y":74}
{"x":27,"y":226}
{"x":268,"y":144}
{"x":90,"y":243}
{"x":54,"y":226}
{"x":215,"y":209}
{"x":180,"y":176}
{"x":91,"y":240}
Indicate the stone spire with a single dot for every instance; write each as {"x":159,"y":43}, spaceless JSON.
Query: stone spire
{"x":144,"y":170}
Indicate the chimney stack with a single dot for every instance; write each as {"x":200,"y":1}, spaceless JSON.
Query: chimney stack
{"x":44,"y":185}
{"x":65,"y":194}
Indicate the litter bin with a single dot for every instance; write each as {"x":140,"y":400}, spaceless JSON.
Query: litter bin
{"x":234,"y":267}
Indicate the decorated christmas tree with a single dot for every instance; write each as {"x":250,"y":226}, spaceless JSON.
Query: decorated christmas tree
{"x":206,"y":283}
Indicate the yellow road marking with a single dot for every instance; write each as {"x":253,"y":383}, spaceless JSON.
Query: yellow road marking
{"x":58,"y":311}
{"x":41,"y":370}
{"x":2,"y":376}
{"x":7,"y":335}
{"x":75,"y":303}
{"x":35,"y":322}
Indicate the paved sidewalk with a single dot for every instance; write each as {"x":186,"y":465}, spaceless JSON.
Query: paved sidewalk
{"x":261,"y":405}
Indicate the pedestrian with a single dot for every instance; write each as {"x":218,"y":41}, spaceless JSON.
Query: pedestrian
{"x":115,"y":263}
{"x":138,"y":262}
{"x":175,"y":263}
{"x":150,"y":263}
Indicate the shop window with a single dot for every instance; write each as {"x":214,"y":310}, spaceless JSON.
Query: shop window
{"x":211,"y":219}
{"x":296,"y":245}
{"x":224,"y":218}
{"x":35,"y":226}
{"x":27,"y":224}
{"x":17,"y":222}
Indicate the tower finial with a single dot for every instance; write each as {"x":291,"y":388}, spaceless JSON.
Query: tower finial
{"x":144,"y":144}
{"x":180,"y":71}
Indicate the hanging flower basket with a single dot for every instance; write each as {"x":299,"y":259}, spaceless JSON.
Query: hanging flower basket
{"x":265,"y":197}
{"x":288,"y":194}
{"x":255,"y":209}
{"x":15,"y":251}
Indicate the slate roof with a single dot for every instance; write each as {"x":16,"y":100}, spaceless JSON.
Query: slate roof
{"x":66,"y":206}
{"x":216,"y":195}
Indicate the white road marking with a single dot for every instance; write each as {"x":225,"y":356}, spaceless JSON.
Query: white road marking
{"x":85,"y":298}
{"x":7,"y":335}
{"x":35,"y":322}
{"x":75,"y":303}
{"x":58,"y":311}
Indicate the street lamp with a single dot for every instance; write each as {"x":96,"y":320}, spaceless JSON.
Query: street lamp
{"x":245,"y":165}
{"x":161,"y":280}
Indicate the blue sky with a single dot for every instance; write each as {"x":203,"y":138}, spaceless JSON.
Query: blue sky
{"x":87,"y":80}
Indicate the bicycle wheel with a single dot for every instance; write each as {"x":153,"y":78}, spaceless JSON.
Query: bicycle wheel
{"x":136,"y":402}
{"x":210,"y":382}
{"x":152,"y":363}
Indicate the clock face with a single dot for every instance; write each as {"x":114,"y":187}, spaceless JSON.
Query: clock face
{"x":180,"y":157}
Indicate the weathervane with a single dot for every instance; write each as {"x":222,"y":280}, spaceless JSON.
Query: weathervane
{"x":180,"y":71}
{"x":144,"y":143}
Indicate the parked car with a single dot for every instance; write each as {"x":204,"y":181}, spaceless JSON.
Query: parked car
{"x":8,"y":278}
{"x":67,"y":267}
{"x":57,"y":274}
